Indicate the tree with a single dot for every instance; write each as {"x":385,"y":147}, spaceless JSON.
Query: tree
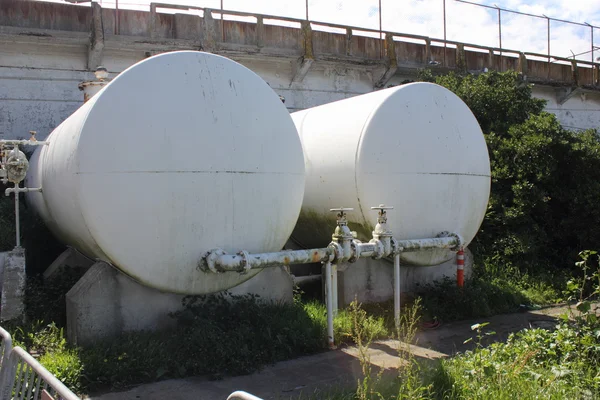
{"x":545,"y":197}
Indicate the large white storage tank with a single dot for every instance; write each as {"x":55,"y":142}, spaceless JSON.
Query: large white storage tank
{"x":416,"y":147}
{"x":182,"y":153}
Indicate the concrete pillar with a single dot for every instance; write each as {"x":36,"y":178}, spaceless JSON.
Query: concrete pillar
{"x":105,"y":303}
{"x":13,"y":285}
{"x":522,"y":66}
{"x":461,"y":59}
{"x":96,"y":46}
{"x":575,"y":73}
{"x":260,"y":32}
{"x":210,"y":29}
{"x":348,"y":41}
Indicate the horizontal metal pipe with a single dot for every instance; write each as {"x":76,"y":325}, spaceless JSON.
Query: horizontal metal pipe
{"x":424,"y":244}
{"x":300,"y":280}
{"x":366,"y":249}
{"x":239,"y":262}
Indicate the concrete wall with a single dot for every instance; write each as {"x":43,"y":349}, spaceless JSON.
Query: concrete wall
{"x":46,"y":49}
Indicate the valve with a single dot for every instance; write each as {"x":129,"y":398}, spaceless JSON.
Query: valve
{"x":382,"y":217}
{"x":341,"y":214}
{"x":382,"y":235}
{"x":342,"y":237}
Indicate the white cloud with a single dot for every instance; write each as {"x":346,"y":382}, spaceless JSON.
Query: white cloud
{"x":465,"y":22}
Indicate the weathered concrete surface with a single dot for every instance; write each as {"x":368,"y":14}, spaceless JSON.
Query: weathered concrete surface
{"x":46,"y":49}
{"x":2,"y":260}
{"x":13,"y":285}
{"x":105,"y":302}
{"x":370,"y":280}
{"x":68,"y":258}
{"x":320,"y":373}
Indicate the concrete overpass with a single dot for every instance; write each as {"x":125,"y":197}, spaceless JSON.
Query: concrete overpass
{"x":46,"y":49}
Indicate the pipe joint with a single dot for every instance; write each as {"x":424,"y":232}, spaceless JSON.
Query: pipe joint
{"x":208,"y":263}
{"x":379,"y":251}
{"x":459,"y":240}
{"x":244,"y":262}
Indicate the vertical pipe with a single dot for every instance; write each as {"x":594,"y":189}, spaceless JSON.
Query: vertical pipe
{"x":397,"y":290}
{"x":592,"y":36}
{"x":380,"y":33}
{"x":445,"y":33}
{"x":222,"y":26}
{"x":18,"y":225}
{"x":548,"y":40}
{"x":117,"y":27}
{"x":329,"y":292}
{"x":334,"y":288}
{"x":460,"y":268}
{"x":306,"y":8}
{"x":500,"y":30}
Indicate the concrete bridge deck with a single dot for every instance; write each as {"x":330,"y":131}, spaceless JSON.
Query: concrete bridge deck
{"x":46,"y":49}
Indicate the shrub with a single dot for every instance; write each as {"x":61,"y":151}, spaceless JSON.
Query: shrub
{"x":545,"y":179}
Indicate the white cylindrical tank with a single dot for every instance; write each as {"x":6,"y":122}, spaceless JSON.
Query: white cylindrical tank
{"x":416,"y":147}
{"x":182,"y":153}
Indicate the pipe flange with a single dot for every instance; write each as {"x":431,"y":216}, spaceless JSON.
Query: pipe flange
{"x":396,"y":249}
{"x":379,"y":249}
{"x":245,"y":263}
{"x":337,"y":252}
{"x":459,"y":240}
{"x":355,"y":252}
{"x":208,"y":263}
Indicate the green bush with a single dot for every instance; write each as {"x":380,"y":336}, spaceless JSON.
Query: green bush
{"x":545,"y":179}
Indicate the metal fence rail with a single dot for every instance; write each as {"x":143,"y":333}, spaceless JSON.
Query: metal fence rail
{"x":240,"y":395}
{"x":22,"y":377}
{"x":27,"y":379}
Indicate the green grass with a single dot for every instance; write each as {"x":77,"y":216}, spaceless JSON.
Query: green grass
{"x":216,"y":335}
{"x":220,"y":335}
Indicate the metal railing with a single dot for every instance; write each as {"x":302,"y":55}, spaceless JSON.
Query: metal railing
{"x":445,"y":16}
{"x":22,"y":377}
{"x":240,"y":395}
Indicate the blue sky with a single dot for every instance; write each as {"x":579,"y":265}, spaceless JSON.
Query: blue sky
{"x":465,"y":22}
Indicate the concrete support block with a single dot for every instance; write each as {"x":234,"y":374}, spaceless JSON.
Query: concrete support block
{"x":391,"y":63}
{"x":13,"y":285}
{"x":96,"y":46}
{"x":371,"y":281}
{"x":69,"y":258}
{"x":272,"y":284}
{"x":105,"y":303}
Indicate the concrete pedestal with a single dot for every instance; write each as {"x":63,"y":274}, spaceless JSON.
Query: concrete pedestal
{"x":13,"y":285}
{"x":105,"y":302}
{"x":371,"y":281}
{"x":71,"y":258}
